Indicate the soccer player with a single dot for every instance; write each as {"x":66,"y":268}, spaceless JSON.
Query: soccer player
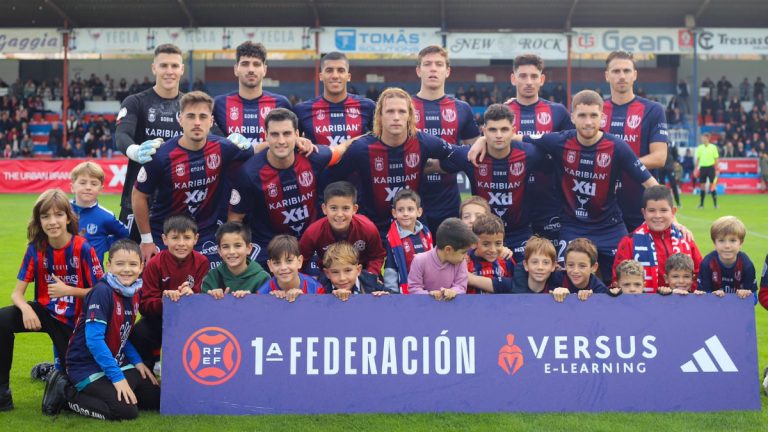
{"x":187,"y":174}
{"x":706,"y":169}
{"x":392,"y":158}
{"x":148,"y":118}
{"x":445,"y":117}
{"x":502,"y":177}
{"x":277,"y":188}
{"x":244,"y":112}
{"x":641,"y":123}
{"x":536,"y":116}
{"x":337,"y":115}
{"x":587,"y":163}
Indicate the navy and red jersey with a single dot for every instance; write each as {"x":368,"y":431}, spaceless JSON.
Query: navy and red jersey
{"x":539,"y":118}
{"x":234,"y":114}
{"x":639,"y":123}
{"x":502,"y":182}
{"x":587,"y":177}
{"x":451,"y":120}
{"x":107,"y":306}
{"x":189,"y":182}
{"x":762,"y":295}
{"x":278,"y":201}
{"x":362,"y":234}
{"x":500,"y":268}
{"x":714,"y":275}
{"x":560,"y":279}
{"x":331,"y":123}
{"x":76,"y":264}
{"x":384,"y":170}
{"x":307,"y":285}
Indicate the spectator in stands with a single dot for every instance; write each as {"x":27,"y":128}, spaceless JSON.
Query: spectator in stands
{"x":744,"y":89}
{"x":724,"y":87}
{"x":76,"y":105}
{"x":708,"y":83}
{"x":91,"y":146}
{"x":65,"y":151}
{"x":687,"y":163}
{"x":97,"y":88}
{"x":30,"y":89}
{"x":729,"y":150}
{"x":26,"y":145}
{"x":758,"y":88}
{"x":106,"y":146}
{"x":372,"y":93}
{"x":122,"y":91}
{"x":460,"y":92}
{"x":8,"y":152}
{"x":54,"y":139}
{"x":78,"y":150}
{"x":740,"y":151}
{"x":559,"y":94}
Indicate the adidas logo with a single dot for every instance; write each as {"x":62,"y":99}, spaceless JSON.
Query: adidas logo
{"x":704,"y":359}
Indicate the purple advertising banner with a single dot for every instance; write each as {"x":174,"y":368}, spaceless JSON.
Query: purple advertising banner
{"x":483,"y":353}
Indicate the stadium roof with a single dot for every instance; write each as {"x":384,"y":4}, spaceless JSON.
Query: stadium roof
{"x":515,"y":15}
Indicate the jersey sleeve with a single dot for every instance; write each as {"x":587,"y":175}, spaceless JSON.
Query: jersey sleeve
{"x":283,"y":102}
{"x":658,"y":123}
{"x":150,"y":176}
{"x":219,"y":106}
{"x":116,"y":228}
{"x":704,"y":278}
{"x":321,"y":158}
{"x":457,"y":161}
{"x":242,"y":195}
{"x":750,"y":281}
{"x":27,"y":269}
{"x":469,"y":129}
{"x":201,"y":270}
{"x":535,"y":159}
{"x":151,"y":302}
{"x":91,"y":266}
{"x":126,"y":122}
{"x":95,"y":332}
{"x":98,"y":305}
{"x":436,"y":148}
{"x":565,"y":122}
{"x":629,"y":163}
{"x":548,"y":143}
{"x":307,"y":244}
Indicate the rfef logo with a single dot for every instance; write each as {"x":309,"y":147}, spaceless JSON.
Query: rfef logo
{"x":211,"y":356}
{"x":510,"y":356}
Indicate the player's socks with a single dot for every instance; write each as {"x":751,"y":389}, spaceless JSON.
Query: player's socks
{"x":714,"y":198}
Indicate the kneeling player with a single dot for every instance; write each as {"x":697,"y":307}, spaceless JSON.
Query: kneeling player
{"x":110,"y":380}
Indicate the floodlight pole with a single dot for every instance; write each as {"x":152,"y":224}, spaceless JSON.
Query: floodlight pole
{"x":695,"y":87}
{"x":65,"y":83}
{"x":569,"y":69}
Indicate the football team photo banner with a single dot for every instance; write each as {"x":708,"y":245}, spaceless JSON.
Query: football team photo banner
{"x":398,"y":354}
{"x":38,"y":175}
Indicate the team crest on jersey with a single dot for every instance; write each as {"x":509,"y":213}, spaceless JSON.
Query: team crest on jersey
{"x":91,"y":229}
{"x":516,"y":168}
{"x":320,"y":115}
{"x":264,"y":111}
{"x":151,"y":116}
{"x":213,"y":161}
{"x":191,"y":280}
{"x":118,"y":308}
{"x":234,"y":199}
{"x":178,"y":116}
{"x":272,"y":190}
{"x":141,"y":177}
{"x":449,"y":114}
{"x":482,"y":170}
{"x":737,"y":275}
{"x":543,"y":118}
{"x":412,"y":160}
{"x":306,"y":178}
{"x":123,"y":112}
{"x":359,"y":245}
{"x":407,"y":246}
{"x":634,"y":121}
{"x":74,"y":262}
{"x":570,"y":156}
{"x":378,"y":163}
{"x":180,"y":170}
{"x":603,"y":160}
{"x":353,"y":112}
{"x":234,"y":113}
{"x":603,"y":121}
{"x":416,"y":115}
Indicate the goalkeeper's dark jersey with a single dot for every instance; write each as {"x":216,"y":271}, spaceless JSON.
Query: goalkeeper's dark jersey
{"x":144,"y":116}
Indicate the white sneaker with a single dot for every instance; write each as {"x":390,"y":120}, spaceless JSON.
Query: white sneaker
{"x":765,"y":380}
{"x":157,"y":368}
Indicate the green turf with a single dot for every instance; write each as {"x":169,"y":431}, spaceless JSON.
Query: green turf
{"x":32,"y":348}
